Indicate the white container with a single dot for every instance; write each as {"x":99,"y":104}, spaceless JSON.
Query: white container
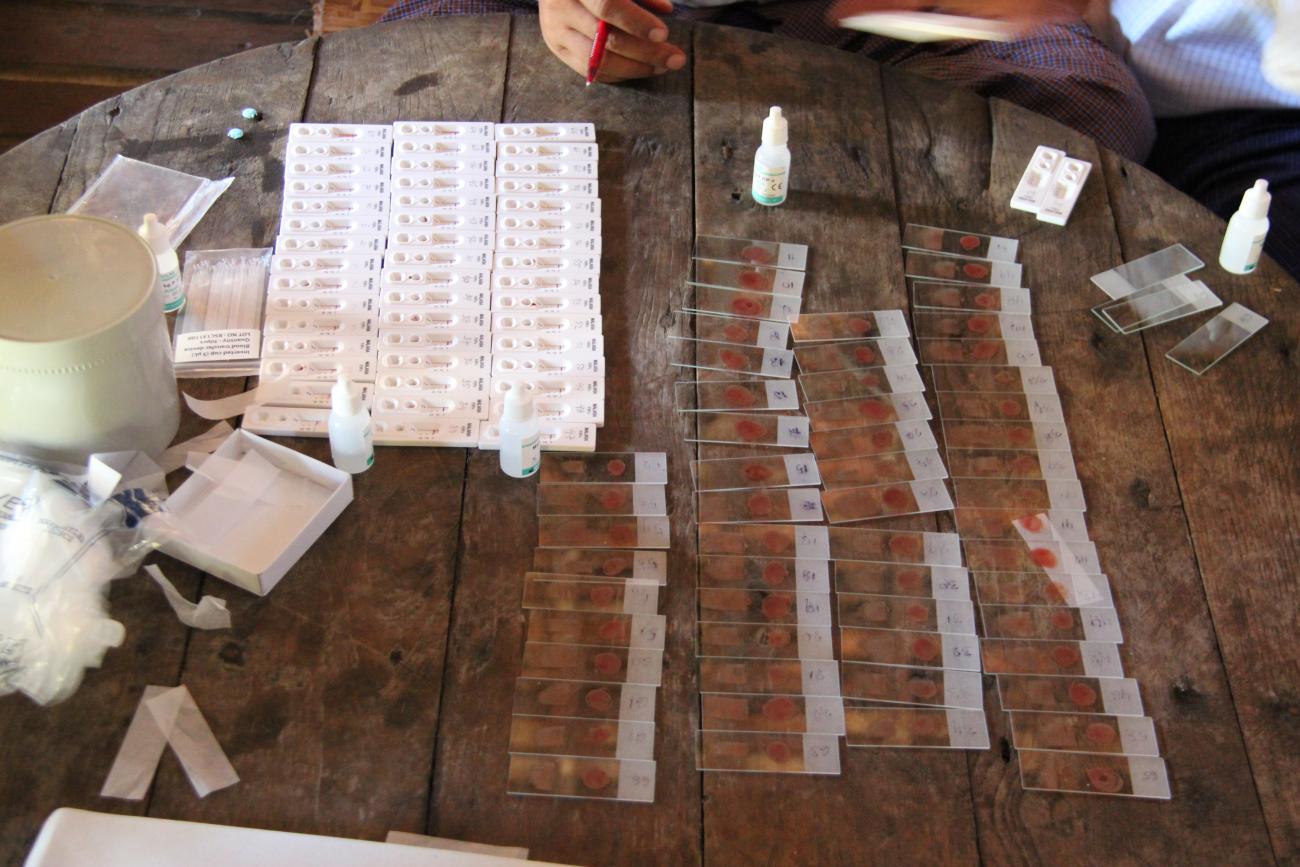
{"x":253,"y":539}
{"x":521,"y":436}
{"x":159,"y":240}
{"x":85,"y":362}
{"x":1243,"y":242}
{"x":771,"y":181}
{"x":352,"y":436}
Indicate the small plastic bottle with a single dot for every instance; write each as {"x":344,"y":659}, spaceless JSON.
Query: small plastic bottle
{"x":352,"y":437}
{"x":521,"y":438}
{"x":1244,"y":239}
{"x":772,"y":161}
{"x":155,"y":234}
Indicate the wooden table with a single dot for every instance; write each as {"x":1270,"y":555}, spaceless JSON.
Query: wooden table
{"x":372,"y":689}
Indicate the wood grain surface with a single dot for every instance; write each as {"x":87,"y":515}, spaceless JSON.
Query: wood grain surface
{"x":371,"y":690}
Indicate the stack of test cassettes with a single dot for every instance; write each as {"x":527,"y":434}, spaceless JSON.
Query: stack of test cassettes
{"x":1051,"y":634}
{"x":321,"y":311}
{"x":546,"y":319}
{"x":407,"y":264}
{"x":907,"y":626}
{"x":582,"y":724}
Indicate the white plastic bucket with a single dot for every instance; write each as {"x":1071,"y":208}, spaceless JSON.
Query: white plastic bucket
{"x":85,"y":360}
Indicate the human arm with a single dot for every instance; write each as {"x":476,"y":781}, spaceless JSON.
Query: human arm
{"x":638,"y":40}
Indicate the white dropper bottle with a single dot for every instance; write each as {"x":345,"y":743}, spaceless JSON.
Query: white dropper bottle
{"x":1244,"y":240}
{"x":155,"y":234}
{"x":521,"y":438}
{"x":772,"y":161}
{"x":352,"y":437}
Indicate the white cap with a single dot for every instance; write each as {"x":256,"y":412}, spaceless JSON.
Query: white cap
{"x":155,"y":234}
{"x":1255,"y":201}
{"x":343,"y":397}
{"x":518,"y":403}
{"x":774,"y":127}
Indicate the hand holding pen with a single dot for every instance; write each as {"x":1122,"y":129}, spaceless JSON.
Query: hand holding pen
{"x":636,"y":44}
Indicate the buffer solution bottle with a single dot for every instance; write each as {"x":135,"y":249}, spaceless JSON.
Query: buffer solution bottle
{"x":1244,"y":240}
{"x":772,"y":161}
{"x":352,"y":436}
{"x":521,"y":438}
{"x":155,"y":234}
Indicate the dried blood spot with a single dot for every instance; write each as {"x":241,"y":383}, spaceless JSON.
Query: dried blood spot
{"x":746,"y":306}
{"x":925,"y":649}
{"x":986,"y":300}
{"x":778,"y":751}
{"x":599,"y":699}
{"x":600,"y":735}
{"x":904,"y":546}
{"x":916,"y":612}
{"x":1025,"y":465}
{"x":611,"y":630}
{"x":752,"y":280}
{"x":760,"y":505}
{"x":864,"y":354}
{"x":778,"y":638}
{"x":1065,"y":656}
{"x":1105,"y":780}
{"x":1100,"y":734}
{"x":602,"y":595}
{"x":757,"y":255}
{"x":975,"y":270}
{"x":969,"y":242}
{"x":608,"y":663}
{"x":595,"y":779}
{"x":1082,"y":695}
{"x":775,"y":574}
{"x":860,"y":326}
{"x":749,"y":430}
{"x":1020,"y":435}
{"x":622,"y":534}
{"x":776,"y":607}
{"x":1054,"y":592}
{"x":733,"y":360}
{"x":944,"y":270}
{"x":780,"y":709}
{"x":895,"y":498}
{"x":925,"y":724}
{"x":542,"y":776}
{"x":774,"y":542}
{"x":613,"y":499}
{"x":979,"y":325}
{"x":909,"y":579}
{"x":1032,"y":523}
{"x":986,"y":350}
{"x":1062,"y":620}
{"x":920,"y":688}
{"x":1044,"y":557}
{"x":613,"y":566}
{"x":735,"y":332}
{"x":738,"y":395}
{"x":869,"y":380}
{"x":616,"y":467}
{"x":1009,"y":408}
{"x":875,"y":410}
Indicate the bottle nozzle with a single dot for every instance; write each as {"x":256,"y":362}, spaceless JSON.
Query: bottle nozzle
{"x":1256,"y":200}
{"x":343,"y":397}
{"x":775,"y":130}
{"x":155,"y":234}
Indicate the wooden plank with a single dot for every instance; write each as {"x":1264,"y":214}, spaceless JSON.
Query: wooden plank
{"x":27,"y":107}
{"x":330,"y":685}
{"x":956,"y":164}
{"x":644,"y":136}
{"x":32,"y":170}
{"x":119,"y":37}
{"x":1231,"y":434}
{"x":901,"y":802}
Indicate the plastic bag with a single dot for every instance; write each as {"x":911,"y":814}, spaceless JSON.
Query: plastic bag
{"x":65,"y":533}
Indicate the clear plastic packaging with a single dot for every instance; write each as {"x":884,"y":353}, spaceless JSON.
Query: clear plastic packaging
{"x":64,"y":534}
{"x":219,"y":333}
{"x":128,"y":189}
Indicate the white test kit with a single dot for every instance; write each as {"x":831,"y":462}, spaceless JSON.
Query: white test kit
{"x":1051,"y":185}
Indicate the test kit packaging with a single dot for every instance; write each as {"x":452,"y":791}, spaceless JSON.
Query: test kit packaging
{"x":252,"y":509}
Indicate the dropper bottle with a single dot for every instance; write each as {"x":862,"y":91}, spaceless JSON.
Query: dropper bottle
{"x":521,"y":437}
{"x":1244,"y":240}
{"x":352,"y":436}
{"x":772,"y":161}
{"x":155,"y":234}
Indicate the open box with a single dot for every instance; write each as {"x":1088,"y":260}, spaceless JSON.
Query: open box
{"x":252,"y":508}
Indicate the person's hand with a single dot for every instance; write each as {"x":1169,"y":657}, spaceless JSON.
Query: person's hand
{"x":1021,"y":13}
{"x":637,"y":46}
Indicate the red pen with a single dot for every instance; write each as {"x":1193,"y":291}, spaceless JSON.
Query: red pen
{"x":597,"y":51}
